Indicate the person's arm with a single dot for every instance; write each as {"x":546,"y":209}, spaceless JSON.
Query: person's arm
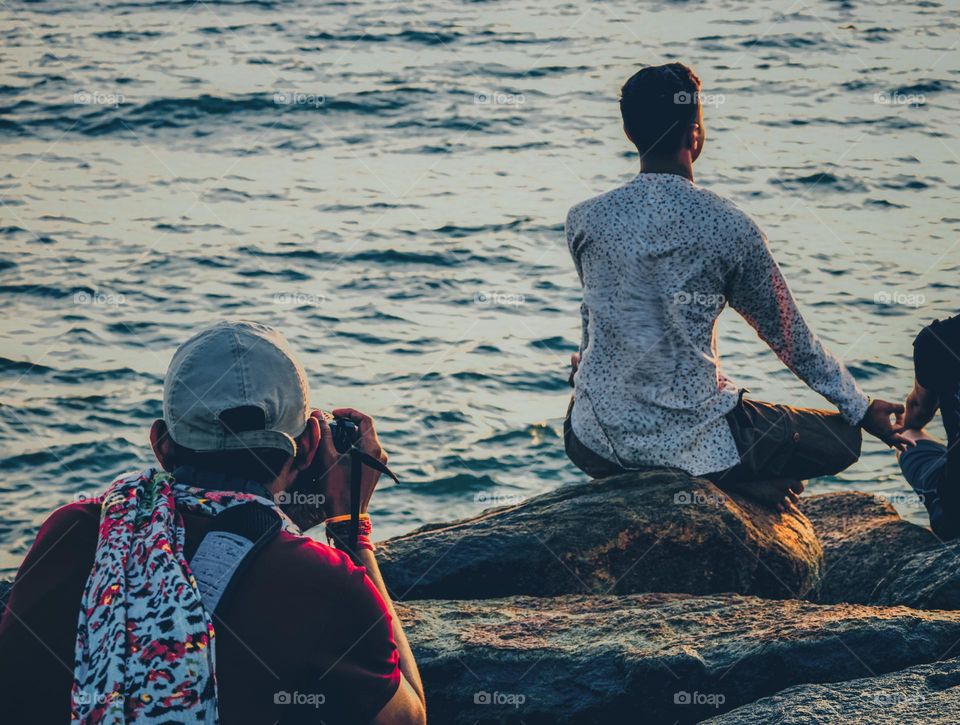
{"x":920,"y":407}
{"x":758,"y":291}
{"x":408,"y":704}
{"x":936,"y":365}
{"x":575,"y":243}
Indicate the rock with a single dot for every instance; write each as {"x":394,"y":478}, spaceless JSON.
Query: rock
{"x":654,"y":531}
{"x":873,"y":556}
{"x":863,"y":539}
{"x":925,"y":580}
{"x":652,"y":658}
{"x":925,"y":694}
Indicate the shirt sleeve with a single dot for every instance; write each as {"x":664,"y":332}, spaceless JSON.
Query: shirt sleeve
{"x":38,"y":631}
{"x":574,"y":245}
{"x":759,"y":292}
{"x":356,"y":667}
{"x":936,"y":355}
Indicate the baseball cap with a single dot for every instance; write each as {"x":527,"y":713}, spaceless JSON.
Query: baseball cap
{"x":235,"y":385}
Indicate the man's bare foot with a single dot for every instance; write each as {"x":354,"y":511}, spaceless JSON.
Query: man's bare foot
{"x":782,"y":494}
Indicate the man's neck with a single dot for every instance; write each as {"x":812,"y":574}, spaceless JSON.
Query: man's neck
{"x":667,"y":166}
{"x":218,"y":481}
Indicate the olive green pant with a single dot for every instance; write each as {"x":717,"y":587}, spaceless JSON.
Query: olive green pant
{"x":774,"y":441}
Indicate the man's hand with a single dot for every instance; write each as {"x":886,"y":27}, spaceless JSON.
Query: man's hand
{"x":921,"y":406}
{"x":335,"y":466}
{"x":574,"y":366}
{"x":877,"y":422}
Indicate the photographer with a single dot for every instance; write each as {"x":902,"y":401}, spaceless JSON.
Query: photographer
{"x":198,"y":598}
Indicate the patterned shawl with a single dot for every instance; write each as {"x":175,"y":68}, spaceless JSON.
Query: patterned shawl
{"x":145,"y":649}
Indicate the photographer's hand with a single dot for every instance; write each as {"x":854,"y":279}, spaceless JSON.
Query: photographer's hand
{"x":337,"y":465}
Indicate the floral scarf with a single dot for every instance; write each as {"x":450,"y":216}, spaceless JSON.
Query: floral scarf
{"x":145,"y":649}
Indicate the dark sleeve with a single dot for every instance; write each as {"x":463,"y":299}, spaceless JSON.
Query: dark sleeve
{"x":39,"y":627}
{"x":936,"y":355}
{"x":357,"y":666}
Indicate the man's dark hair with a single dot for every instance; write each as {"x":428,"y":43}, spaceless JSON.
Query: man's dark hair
{"x":262,"y":465}
{"x":658,"y":104}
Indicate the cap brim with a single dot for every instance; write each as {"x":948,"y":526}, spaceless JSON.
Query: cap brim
{"x":258,"y":439}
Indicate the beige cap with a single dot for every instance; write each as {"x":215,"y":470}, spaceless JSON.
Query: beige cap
{"x":235,"y":366}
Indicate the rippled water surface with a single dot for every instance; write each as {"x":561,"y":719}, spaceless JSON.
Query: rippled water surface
{"x":387,"y":183}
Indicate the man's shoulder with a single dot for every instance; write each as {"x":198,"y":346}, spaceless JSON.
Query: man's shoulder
{"x":722,"y":204}
{"x":79,"y":516}
{"x":698,"y":194}
{"x":306,"y":559}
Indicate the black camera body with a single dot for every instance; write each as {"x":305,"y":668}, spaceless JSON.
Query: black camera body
{"x":345,"y":433}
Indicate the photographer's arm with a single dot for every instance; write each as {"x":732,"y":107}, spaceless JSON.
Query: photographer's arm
{"x":408,"y":665}
{"x":408,"y":704}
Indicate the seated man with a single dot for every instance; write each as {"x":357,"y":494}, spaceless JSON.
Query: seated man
{"x":659,"y":258}
{"x":112,"y":619}
{"x":930,"y":467}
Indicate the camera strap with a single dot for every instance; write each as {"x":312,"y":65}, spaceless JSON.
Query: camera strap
{"x":235,"y":537}
{"x":358,"y":459}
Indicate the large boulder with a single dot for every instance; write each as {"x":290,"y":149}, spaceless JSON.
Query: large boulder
{"x":925,"y":694}
{"x":863,"y":539}
{"x":654,"y":531}
{"x":652,"y":658}
{"x":873,"y":556}
{"x":925,"y":580}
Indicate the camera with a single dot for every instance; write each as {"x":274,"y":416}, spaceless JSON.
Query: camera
{"x":345,"y":433}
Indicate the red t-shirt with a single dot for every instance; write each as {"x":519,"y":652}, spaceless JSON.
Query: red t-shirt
{"x":304,"y":626}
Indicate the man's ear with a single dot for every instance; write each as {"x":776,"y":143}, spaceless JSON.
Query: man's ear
{"x":163,"y":446}
{"x":308,"y":443}
{"x":697,"y":136}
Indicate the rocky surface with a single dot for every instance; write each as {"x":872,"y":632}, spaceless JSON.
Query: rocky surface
{"x":592,"y":647}
{"x":873,"y":556}
{"x":653,"y":658}
{"x":656,"y":531}
{"x":864,"y":540}
{"x":925,"y":580}
{"x":925,"y":694}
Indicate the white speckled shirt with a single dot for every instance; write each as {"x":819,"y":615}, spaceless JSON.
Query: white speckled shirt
{"x":659,"y":258}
